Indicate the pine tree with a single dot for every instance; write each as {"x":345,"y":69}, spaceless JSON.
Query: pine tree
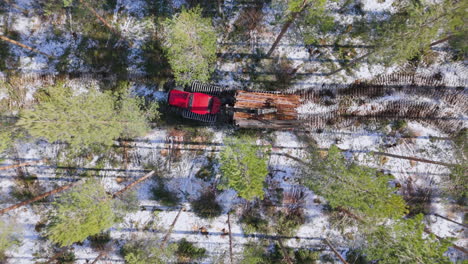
{"x":84,"y":211}
{"x":85,"y":119}
{"x":311,"y":15}
{"x":357,"y":188}
{"x":8,"y":238}
{"x":190,"y":44}
{"x":147,"y":252}
{"x":244,"y":166}
{"x":410,"y":32}
{"x":5,"y":140}
{"x":403,"y":242}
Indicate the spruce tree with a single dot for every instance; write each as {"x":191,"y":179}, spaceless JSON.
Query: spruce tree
{"x":190,"y":44}
{"x":360,"y":189}
{"x":83,"y":120}
{"x":84,"y":211}
{"x":403,"y":242}
{"x":244,"y":166}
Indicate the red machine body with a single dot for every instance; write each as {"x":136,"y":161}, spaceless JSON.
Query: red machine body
{"x":198,"y":103}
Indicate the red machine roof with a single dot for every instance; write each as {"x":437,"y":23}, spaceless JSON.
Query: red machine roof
{"x":198,"y":103}
{"x":179,"y":98}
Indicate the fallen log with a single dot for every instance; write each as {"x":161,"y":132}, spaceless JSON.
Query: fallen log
{"x":22,"y":164}
{"x":39,"y":197}
{"x":151,"y":173}
{"x":168,"y":234}
{"x":334,"y":251}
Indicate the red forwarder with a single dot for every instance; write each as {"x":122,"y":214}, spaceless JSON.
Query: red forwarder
{"x":197,"y":103}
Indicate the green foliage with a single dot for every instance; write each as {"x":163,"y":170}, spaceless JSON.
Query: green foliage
{"x":125,"y":204}
{"x":187,"y":252}
{"x":147,"y":252}
{"x":83,"y":120}
{"x":408,"y":33}
{"x":244,"y":167}
{"x":305,"y":256}
{"x":5,"y":140}
{"x":317,"y":21}
{"x":403,"y":242}
{"x":458,"y":184}
{"x":252,"y":221}
{"x":68,"y":257}
{"x":190,"y":44}
{"x":287,"y":223}
{"x":164,"y":195}
{"x":253,"y":254}
{"x":100,"y":240}
{"x":357,"y":188}
{"x":206,"y":206}
{"x":8,"y":238}
{"x":84,"y":211}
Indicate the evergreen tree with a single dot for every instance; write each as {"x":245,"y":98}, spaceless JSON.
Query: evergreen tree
{"x":85,"y":119}
{"x":244,"y":166}
{"x":311,"y":15}
{"x":5,"y":140}
{"x":190,"y":44}
{"x":409,"y":32}
{"x":353,"y":187}
{"x":147,"y":252}
{"x":84,"y":211}
{"x":8,"y":238}
{"x":403,"y":242}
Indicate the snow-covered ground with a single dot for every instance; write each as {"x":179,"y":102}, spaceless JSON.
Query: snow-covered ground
{"x":180,"y":168}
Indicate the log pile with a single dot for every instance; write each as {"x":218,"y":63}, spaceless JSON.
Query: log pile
{"x":285,"y":104}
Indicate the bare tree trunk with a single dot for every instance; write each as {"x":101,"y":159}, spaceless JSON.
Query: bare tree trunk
{"x":168,"y":234}
{"x":351,"y":63}
{"x":22,"y":164}
{"x":24,"y":11}
{"x":448,"y":219}
{"x":440,"y":41}
{"x":102,"y":254}
{"x":151,"y":173}
{"x":39,"y":197}
{"x":285,"y":253}
{"x":14,"y":42}
{"x":375,"y":153}
{"x":106,"y":24}
{"x":285,"y":28}
{"x":230,"y":238}
{"x":334,"y":251}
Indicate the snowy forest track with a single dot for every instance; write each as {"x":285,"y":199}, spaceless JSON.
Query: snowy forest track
{"x":400,"y":86}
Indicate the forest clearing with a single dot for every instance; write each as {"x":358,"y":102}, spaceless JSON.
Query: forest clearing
{"x":233,"y":131}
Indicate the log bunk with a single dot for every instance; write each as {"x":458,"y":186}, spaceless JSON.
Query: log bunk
{"x":266,"y":110}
